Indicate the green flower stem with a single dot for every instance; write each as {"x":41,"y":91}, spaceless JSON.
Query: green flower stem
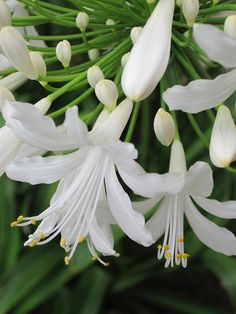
{"x":132,"y":122}
{"x":177,"y":136}
{"x":92,"y":115}
{"x":218,"y":8}
{"x":230,"y":169}
{"x":186,"y":42}
{"x":198,"y":130}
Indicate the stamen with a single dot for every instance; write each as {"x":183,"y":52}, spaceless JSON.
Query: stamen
{"x":180,"y":240}
{"x":167,"y":255}
{"x":166,"y":247}
{"x":81,"y":239}
{"x":63,"y":243}
{"x":33,"y":222}
{"x":20,"y":219}
{"x":13,"y":224}
{"x":67,"y":260}
{"x":33,"y":243}
{"x":185,"y":255}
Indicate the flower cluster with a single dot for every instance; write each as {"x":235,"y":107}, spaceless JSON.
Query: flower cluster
{"x":119,"y":61}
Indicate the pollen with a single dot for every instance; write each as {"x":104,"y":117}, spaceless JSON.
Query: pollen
{"x":81,"y":239}
{"x":166,"y":247}
{"x":94,"y":258}
{"x":180,"y":240}
{"x":13,"y":224}
{"x":106,"y":264}
{"x":179,"y":255}
{"x":33,"y":243}
{"x":41,"y":235}
{"x":20,"y":219}
{"x":167,"y":255}
{"x":185,"y":255}
{"x":159,"y":247}
{"x":67,"y":260}
{"x":62,"y":242}
{"x":33,"y":222}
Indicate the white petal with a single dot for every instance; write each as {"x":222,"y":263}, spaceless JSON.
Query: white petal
{"x":217,"y":238}
{"x":37,"y":170}
{"x":102,"y":238}
{"x":13,"y":81}
{"x":150,"y":184}
{"x":201,"y":95}
{"x":144,"y":206}
{"x":130,"y":221}
{"x":34,"y":128}
{"x":199,"y":180}
{"x":4,"y":63}
{"x":219,"y":209}
{"x":26,"y":150}
{"x":217,"y":45}
{"x":149,"y":57}
{"x":75,"y":127}
{"x":9,"y":146}
{"x":157,"y":223}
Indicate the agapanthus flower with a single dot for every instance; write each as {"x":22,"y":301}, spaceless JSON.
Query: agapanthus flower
{"x":168,"y":220}
{"x":87,"y":178}
{"x":204,"y":94}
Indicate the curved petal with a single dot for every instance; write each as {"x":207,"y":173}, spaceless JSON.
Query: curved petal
{"x":157,"y":223}
{"x":4,"y":63}
{"x":34,"y":128}
{"x":201,"y":95}
{"x":13,"y":81}
{"x":151,"y":184}
{"x":199,"y":180}
{"x":130,"y":221}
{"x":217,"y":238}
{"x":217,"y":45}
{"x":102,"y":237}
{"x":26,"y":150}
{"x":144,"y":206}
{"x":37,"y":170}
{"x":219,"y":209}
{"x":75,"y":127}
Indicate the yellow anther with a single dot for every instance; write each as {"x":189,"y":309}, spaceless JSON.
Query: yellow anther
{"x":41,"y":235}
{"x":14,"y":224}
{"x":81,"y":239}
{"x":62,"y":242}
{"x":180,"y":240}
{"x":185,"y":255}
{"x":106,"y":264}
{"x":179,"y":255}
{"x":159,"y":247}
{"x":20,"y":219}
{"x":166,"y":247}
{"x":167,"y":255}
{"x":94,"y":258}
{"x":33,"y":243}
{"x":33,"y":222}
{"x":67,"y":260}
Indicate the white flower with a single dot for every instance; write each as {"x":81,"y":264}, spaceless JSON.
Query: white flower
{"x":164,"y":127}
{"x":202,"y":94}
{"x":63,"y":52}
{"x":223,"y":139}
{"x":77,"y":208}
{"x":5,"y":14}
{"x":82,"y":21}
{"x":230,"y":26}
{"x":107,"y":93}
{"x":135,"y":33}
{"x":93,"y":54}
{"x":169,"y":218}
{"x":149,"y":56}
{"x":13,"y":81}
{"x":11,"y":146}
{"x":94,"y":75}
{"x":190,"y":10}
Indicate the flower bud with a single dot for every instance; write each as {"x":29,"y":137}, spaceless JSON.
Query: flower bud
{"x":125,"y":58}
{"x":164,"y":127}
{"x":110,"y":22}
{"x":190,"y":10}
{"x":5,"y":14}
{"x":38,"y":62}
{"x":43,"y":105}
{"x":134,"y":34}
{"x":223,"y":138}
{"x":177,"y":158}
{"x":15,"y":49}
{"x":82,"y":21}
{"x":107,"y":93}
{"x":94,"y":75}
{"x":93,"y":54}
{"x":5,"y":94}
{"x":230,"y":26}
{"x":63,"y":52}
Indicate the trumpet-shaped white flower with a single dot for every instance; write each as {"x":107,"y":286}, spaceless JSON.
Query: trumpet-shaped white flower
{"x":84,"y":176}
{"x":149,"y":56}
{"x":169,"y":218}
{"x":223,"y":139}
{"x":201,"y":94}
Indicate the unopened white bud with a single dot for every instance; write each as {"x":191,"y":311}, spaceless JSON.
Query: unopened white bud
{"x":230,"y":26}
{"x":177,"y":158}
{"x":15,"y":49}
{"x":39,"y":63}
{"x":63,"y":52}
{"x":134,"y":34}
{"x":164,"y":127}
{"x":43,"y":105}
{"x":223,"y":138}
{"x":125,"y":58}
{"x":93,"y":54}
{"x":190,"y":10}
{"x":94,"y":75}
{"x":107,"y":93}
{"x":82,"y":21}
{"x":5,"y":14}
{"x":5,"y":94}
{"x":110,"y":22}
